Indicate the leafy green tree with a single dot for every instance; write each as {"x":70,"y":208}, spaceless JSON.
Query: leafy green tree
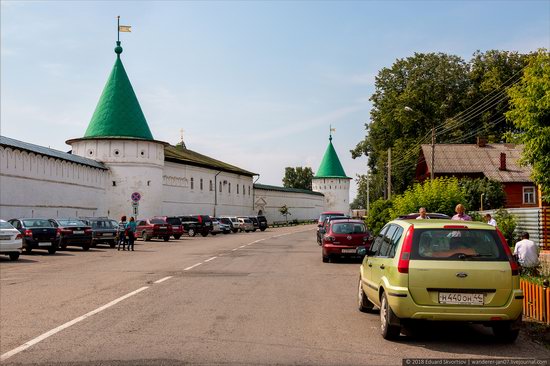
{"x":530,"y":113}
{"x":493,"y":193}
{"x":506,"y":222}
{"x":285,"y":212}
{"x":299,"y":177}
{"x":379,"y":215}
{"x":439,"y":195}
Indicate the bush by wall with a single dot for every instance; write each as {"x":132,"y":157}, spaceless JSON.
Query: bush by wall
{"x":379,"y":215}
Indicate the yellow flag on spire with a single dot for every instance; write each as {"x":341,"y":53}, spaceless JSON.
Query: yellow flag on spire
{"x":124,"y":28}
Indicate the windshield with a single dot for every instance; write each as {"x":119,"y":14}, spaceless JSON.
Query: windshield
{"x":453,"y":244}
{"x":349,"y":228}
{"x":37,"y":223}
{"x":71,"y":223}
{"x":5,"y":225}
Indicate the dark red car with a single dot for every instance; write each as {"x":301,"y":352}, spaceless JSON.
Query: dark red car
{"x":177,"y":226}
{"x":153,"y":228}
{"x":343,"y":239}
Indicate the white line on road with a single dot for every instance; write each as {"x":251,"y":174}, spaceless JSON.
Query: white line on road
{"x":163,"y":279}
{"x":41,"y":337}
{"x":210,"y":259}
{"x":234,"y":249}
{"x":242,"y":246}
{"x":193,"y":266}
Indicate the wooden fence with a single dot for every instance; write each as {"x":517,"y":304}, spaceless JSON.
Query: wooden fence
{"x":536,"y":301}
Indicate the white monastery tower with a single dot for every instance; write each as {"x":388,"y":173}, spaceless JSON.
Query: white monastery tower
{"x":118,"y":136}
{"x":331,"y":180}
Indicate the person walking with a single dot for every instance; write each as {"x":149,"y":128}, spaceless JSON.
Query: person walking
{"x":121,"y":233}
{"x":130,"y":232}
{"x":527,"y":253}
{"x":460,"y":215}
{"x":422,"y":214}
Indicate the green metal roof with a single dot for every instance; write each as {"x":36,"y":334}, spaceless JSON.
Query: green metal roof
{"x":284,"y":189}
{"x":330,"y":165}
{"x":118,"y":113}
{"x":181,"y":155}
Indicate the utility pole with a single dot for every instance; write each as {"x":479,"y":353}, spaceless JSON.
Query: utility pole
{"x":368,"y":193}
{"x":389,"y":173}
{"x":433,"y":154}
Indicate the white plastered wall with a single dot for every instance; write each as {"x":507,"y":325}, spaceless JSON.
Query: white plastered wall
{"x":302,"y":206}
{"x":336,"y":191}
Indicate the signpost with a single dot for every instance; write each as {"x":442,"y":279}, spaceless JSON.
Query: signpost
{"x":135,"y":197}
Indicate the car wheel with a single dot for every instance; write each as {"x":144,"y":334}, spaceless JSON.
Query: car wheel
{"x":52,"y":249}
{"x":166,"y":238}
{"x":213,"y":233}
{"x":507,"y":331}
{"x":254,"y":230}
{"x":177,"y":236}
{"x":94,"y":245}
{"x":85,"y":247}
{"x":390,"y":327}
{"x":112,"y":244}
{"x":365,"y":305}
{"x":14,"y":256}
{"x":235,"y":230}
{"x":226,"y":232}
{"x":262,"y":229}
{"x":326,"y":259}
{"x":191,"y":232}
{"x":206,"y":234}
{"x":28,"y":249}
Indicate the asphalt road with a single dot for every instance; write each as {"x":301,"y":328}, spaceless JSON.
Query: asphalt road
{"x":261,"y":298}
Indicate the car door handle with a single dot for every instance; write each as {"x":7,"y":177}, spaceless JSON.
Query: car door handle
{"x":382,"y":266}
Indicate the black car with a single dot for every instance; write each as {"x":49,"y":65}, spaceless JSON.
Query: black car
{"x":103,"y":230}
{"x":196,"y":224}
{"x":73,"y":232}
{"x":37,"y":234}
{"x":255,"y":222}
{"x":324,"y":226}
{"x":263,"y":222}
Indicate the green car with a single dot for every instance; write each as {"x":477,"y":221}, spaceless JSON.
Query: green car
{"x":441,"y":270}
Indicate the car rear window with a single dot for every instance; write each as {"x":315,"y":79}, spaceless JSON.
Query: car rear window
{"x":248,"y":221}
{"x":103,"y":224}
{"x":37,"y":223}
{"x":457,"y":244}
{"x":173,"y":221}
{"x":5,"y":225}
{"x":157,"y":221}
{"x":349,"y":228}
{"x":71,"y":223}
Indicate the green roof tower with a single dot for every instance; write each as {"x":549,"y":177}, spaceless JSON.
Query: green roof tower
{"x":118,"y":113}
{"x":330,"y":165}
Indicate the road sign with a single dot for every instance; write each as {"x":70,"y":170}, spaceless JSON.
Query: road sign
{"x":135,"y":196}
{"x":135,"y":204}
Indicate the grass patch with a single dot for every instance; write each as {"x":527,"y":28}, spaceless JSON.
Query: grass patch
{"x":537,"y":331}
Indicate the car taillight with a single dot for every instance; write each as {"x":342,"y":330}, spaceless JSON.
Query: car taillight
{"x":58,"y":232}
{"x":513,"y":264}
{"x":88,"y":231}
{"x":19,"y":236}
{"x":405,"y":256}
{"x":28,"y":232}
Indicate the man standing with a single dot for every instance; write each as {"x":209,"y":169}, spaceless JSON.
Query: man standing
{"x":527,"y":252}
{"x":422,"y":214}
{"x":460,"y":215}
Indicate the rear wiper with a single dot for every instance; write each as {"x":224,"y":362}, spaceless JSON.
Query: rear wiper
{"x":465,"y":256}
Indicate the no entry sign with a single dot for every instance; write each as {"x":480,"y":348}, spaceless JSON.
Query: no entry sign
{"x":135,"y":196}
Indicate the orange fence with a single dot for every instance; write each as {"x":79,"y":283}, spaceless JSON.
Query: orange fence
{"x":536,"y":301}
{"x":545,"y":227}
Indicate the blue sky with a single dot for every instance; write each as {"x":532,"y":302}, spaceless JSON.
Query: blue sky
{"x":255,"y":84}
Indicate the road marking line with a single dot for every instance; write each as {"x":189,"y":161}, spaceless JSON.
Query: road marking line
{"x":163,"y":279}
{"x":242,"y":246}
{"x":234,"y":249}
{"x":210,"y":259}
{"x":43,"y":336}
{"x":193,"y":266}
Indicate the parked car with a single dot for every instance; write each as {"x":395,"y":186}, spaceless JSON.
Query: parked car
{"x":103,"y":230}
{"x":442,"y":270}
{"x":197,"y":224}
{"x":255,"y":222}
{"x":11,"y":240}
{"x":38,"y":233}
{"x":219,"y":227}
{"x":245,"y":224}
{"x":73,"y":232}
{"x":321,"y":230}
{"x":153,"y":228}
{"x":321,"y":222}
{"x":232,"y":221}
{"x":344,"y":238}
{"x":432,"y":215}
{"x":177,"y":226}
{"x":262,"y":221}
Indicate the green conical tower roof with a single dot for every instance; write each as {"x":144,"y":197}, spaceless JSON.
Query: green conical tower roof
{"x":330,"y":165}
{"x":118,"y":113}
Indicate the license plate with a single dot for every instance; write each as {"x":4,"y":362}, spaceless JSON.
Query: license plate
{"x":349,"y":250}
{"x":78,"y":232}
{"x":44,"y":244}
{"x":5,"y":237}
{"x":162,"y":227}
{"x":460,"y":298}
{"x":108,"y":234}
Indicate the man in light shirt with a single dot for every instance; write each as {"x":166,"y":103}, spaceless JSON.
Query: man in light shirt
{"x":422,"y":214}
{"x":527,"y":252}
{"x":490,"y":220}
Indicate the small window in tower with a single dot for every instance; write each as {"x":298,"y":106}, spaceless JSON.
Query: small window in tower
{"x":220,"y":186}
{"x":148,"y":183}
{"x":229,"y":188}
{"x":249,"y":190}
{"x":142,"y":153}
{"x":116,"y":152}
{"x":90,"y":152}
{"x":201,"y":184}
{"x":237,"y":189}
{"x":192,"y":183}
{"x":114,"y":183}
{"x":211,"y":186}
{"x":244,"y":192}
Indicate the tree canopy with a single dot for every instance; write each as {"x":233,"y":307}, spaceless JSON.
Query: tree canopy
{"x":299,"y":177}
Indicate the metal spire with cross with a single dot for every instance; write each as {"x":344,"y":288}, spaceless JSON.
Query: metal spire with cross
{"x":120,"y":28}
{"x":331,"y":130}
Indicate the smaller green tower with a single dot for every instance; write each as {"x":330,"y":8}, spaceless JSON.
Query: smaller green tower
{"x":330,"y":165}
{"x":118,"y":113}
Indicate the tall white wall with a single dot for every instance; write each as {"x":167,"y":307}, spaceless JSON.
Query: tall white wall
{"x":302,"y":206}
{"x":336,"y":191}
{"x":33,"y":185}
{"x":180,"y":196}
{"x":135,"y":166}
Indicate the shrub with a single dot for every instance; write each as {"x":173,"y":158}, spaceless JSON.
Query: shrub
{"x":506,"y":223}
{"x":493,"y":193}
{"x":438,"y":195}
{"x":379,"y":215}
